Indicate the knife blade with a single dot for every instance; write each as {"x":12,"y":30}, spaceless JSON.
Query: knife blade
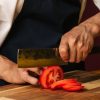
{"x":38,"y":57}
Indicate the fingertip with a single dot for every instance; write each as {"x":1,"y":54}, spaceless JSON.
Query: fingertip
{"x":32,"y":80}
{"x":63,"y":54}
{"x":72,"y":60}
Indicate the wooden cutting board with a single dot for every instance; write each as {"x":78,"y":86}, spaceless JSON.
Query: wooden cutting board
{"x":91,"y":81}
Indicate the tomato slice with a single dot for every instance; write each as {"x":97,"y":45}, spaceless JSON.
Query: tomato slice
{"x":73,"y":88}
{"x":61,"y":83}
{"x":50,"y":75}
{"x":52,"y":78}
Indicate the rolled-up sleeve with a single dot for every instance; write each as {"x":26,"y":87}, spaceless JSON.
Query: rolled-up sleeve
{"x":97,"y":3}
{"x":9,"y":9}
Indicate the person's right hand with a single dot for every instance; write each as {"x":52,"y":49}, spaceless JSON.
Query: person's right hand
{"x":10,"y":72}
{"x":77,"y":44}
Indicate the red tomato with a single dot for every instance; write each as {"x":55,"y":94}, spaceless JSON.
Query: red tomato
{"x":50,"y":75}
{"x":72,"y":88}
{"x":61,"y":83}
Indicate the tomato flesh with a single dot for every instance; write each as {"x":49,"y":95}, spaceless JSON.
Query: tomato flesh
{"x":72,"y":88}
{"x":50,"y":75}
{"x":52,"y":78}
{"x":60,"y":83}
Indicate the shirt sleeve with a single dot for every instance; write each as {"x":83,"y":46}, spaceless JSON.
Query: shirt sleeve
{"x":97,"y":3}
{"x":9,"y":9}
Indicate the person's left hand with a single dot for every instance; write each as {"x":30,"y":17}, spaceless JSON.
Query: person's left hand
{"x":10,"y":72}
{"x":76,"y":44}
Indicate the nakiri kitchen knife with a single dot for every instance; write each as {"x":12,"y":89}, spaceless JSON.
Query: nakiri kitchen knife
{"x":38,"y":57}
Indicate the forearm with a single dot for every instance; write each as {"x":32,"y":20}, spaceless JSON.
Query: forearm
{"x":93,"y":25}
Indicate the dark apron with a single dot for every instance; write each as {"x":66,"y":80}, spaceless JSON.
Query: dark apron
{"x":93,"y":61}
{"x":41,"y":24}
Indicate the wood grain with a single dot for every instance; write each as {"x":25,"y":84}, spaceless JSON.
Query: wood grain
{"x":91,"y":81}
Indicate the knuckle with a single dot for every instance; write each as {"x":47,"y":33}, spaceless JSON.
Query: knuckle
{"x":80,"y":44}
{"x":72,"y":41}
{"x":63,"y":39}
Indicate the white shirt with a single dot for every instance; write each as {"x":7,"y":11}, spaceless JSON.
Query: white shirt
{"x":97,"y":3}
{"x":9,"y":9}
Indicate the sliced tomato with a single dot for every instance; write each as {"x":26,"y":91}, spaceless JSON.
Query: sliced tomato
{"x":50,"y":75}
{"x":72,"y":88}
{"x":61,"y":83}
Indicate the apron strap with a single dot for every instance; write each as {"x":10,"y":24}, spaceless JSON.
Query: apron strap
{"x":83,"y":5}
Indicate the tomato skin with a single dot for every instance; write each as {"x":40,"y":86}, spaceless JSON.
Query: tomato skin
{"x":52,"y":77}
{"x":61,"y":83}
{"x":72,"y":88}
{"x":48,"y":76}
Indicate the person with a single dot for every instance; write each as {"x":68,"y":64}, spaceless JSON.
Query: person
{"x":43,"y":24}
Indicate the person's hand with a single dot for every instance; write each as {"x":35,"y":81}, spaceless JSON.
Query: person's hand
{"x":10,"y":72}
{"x":76,"y":44}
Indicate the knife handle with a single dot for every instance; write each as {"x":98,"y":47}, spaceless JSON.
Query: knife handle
{"x":33,"y":74}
